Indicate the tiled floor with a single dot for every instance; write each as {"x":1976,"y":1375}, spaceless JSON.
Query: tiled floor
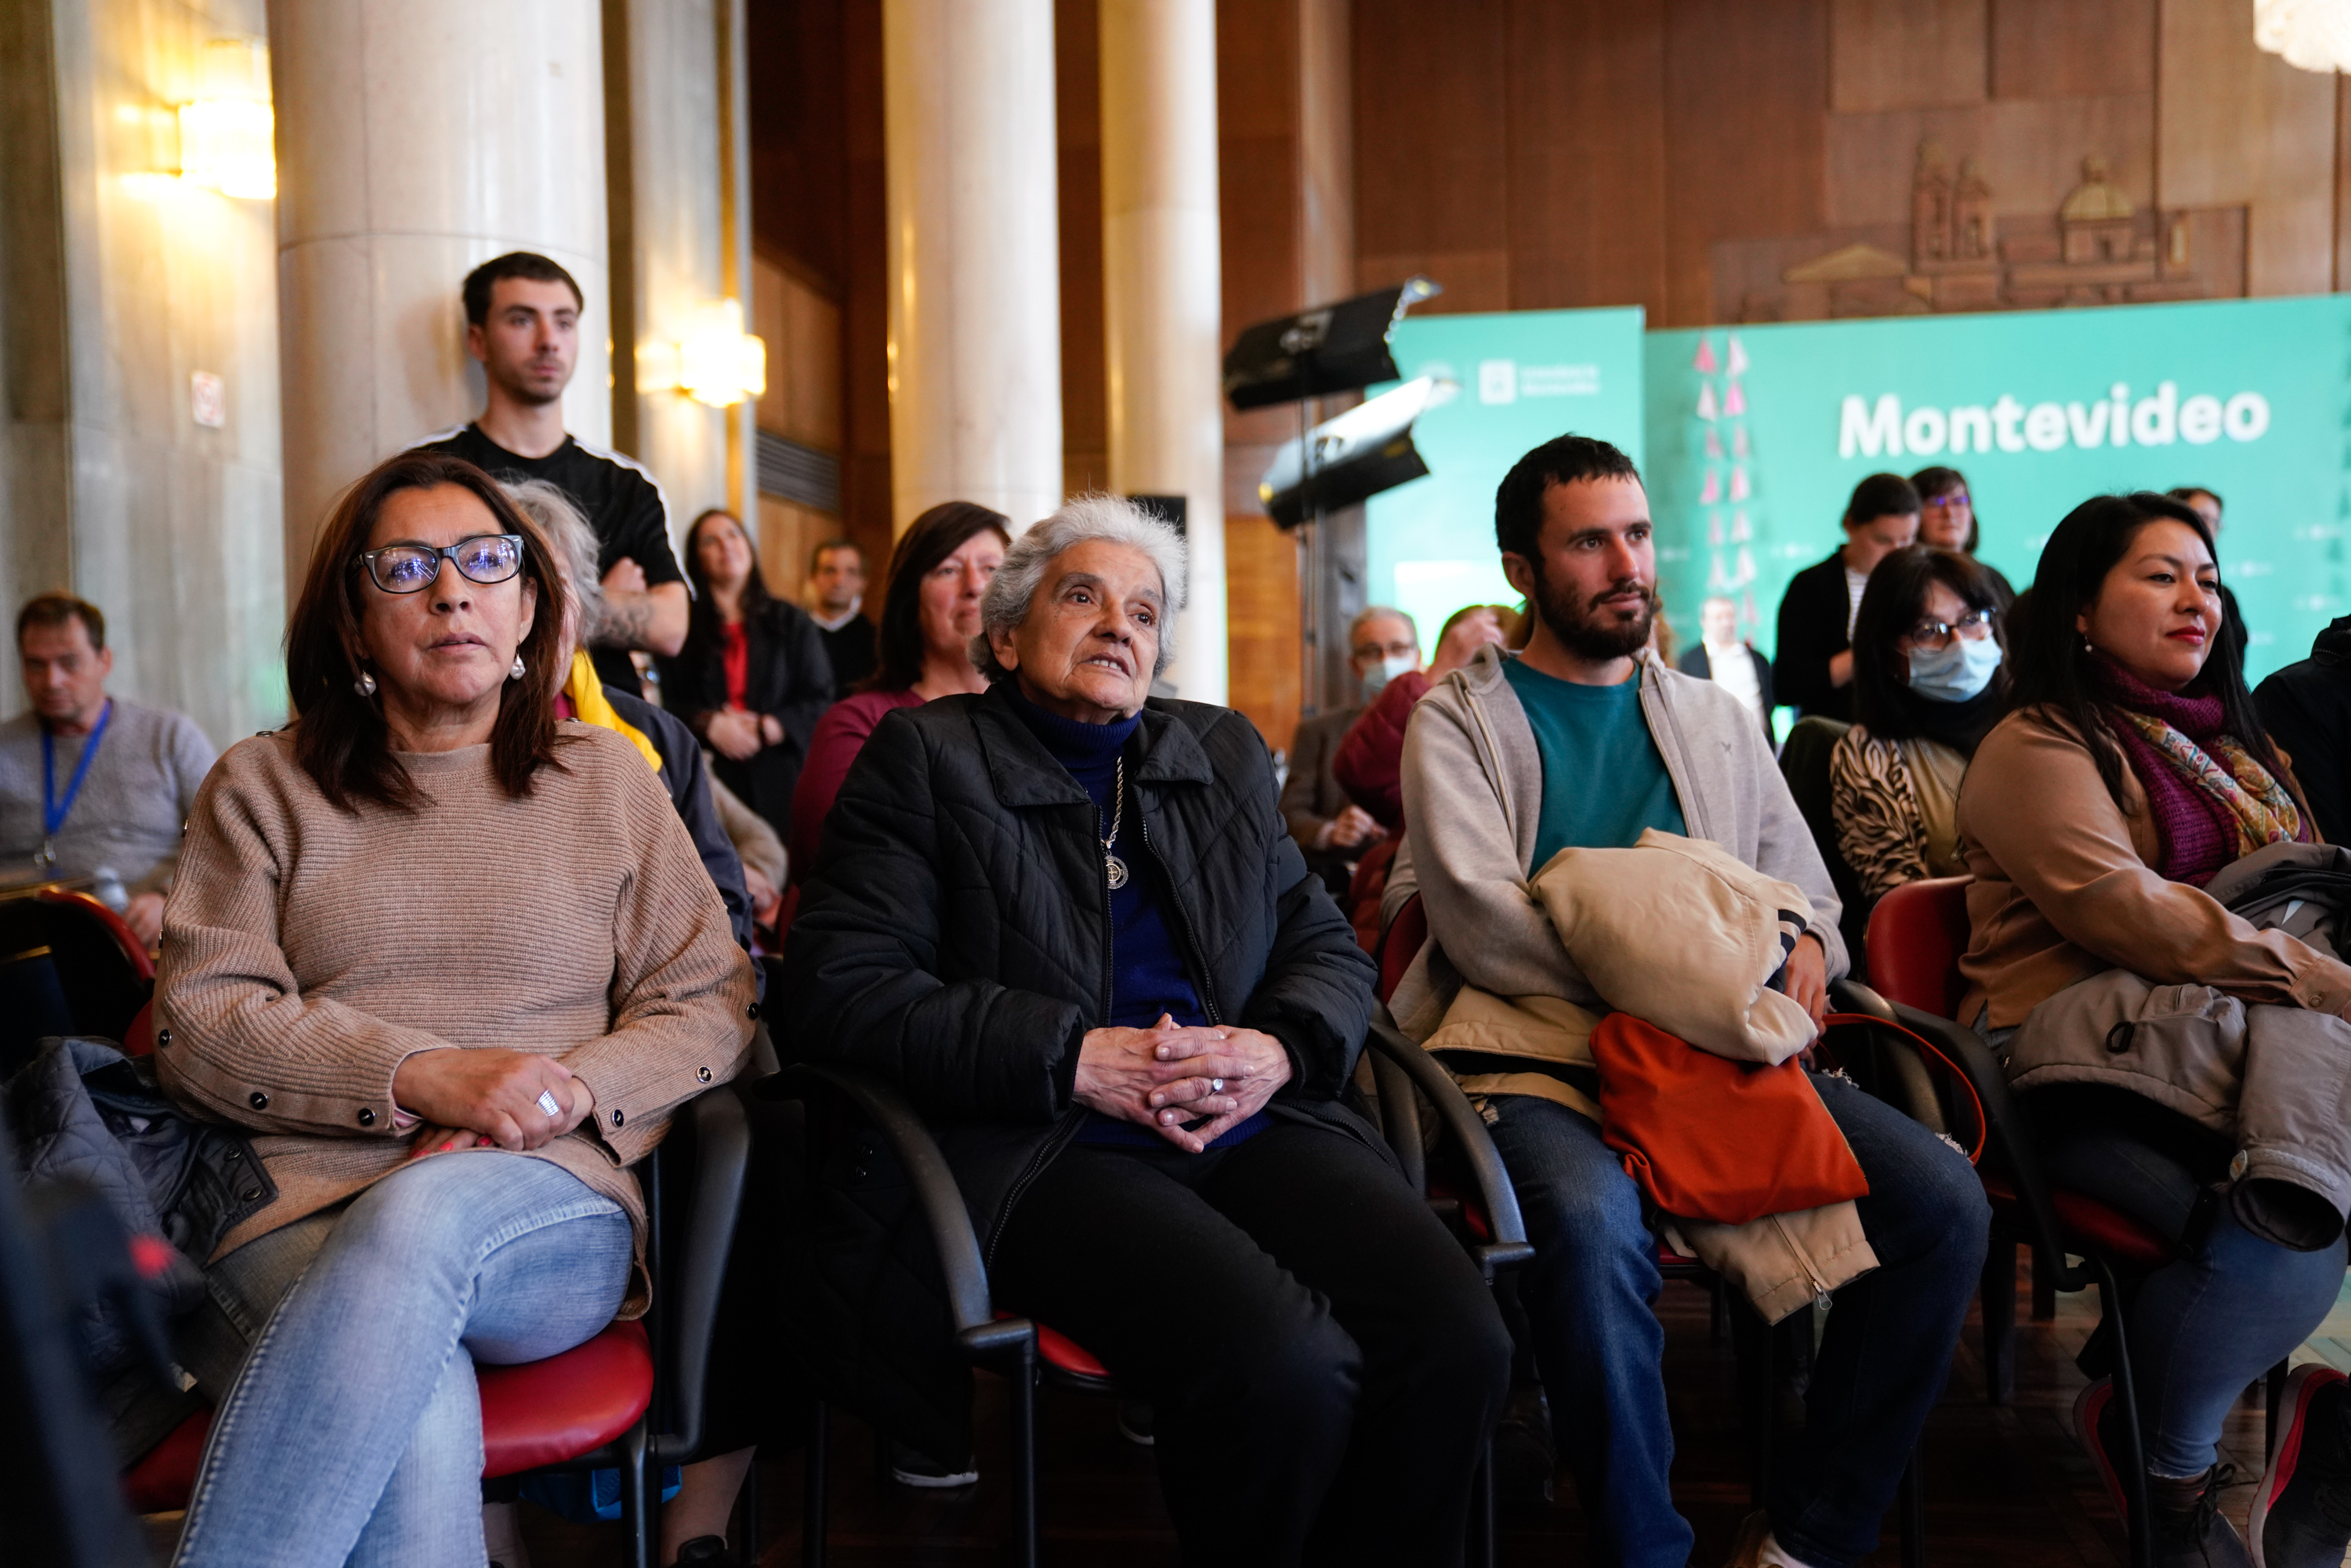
{"x":2005,"y":1485}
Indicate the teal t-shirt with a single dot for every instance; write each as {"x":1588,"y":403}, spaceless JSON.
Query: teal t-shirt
{"x":1603,"y":777}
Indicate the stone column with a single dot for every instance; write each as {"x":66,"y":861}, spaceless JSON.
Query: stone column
{"x":973,"y":257}
{"x":1161,"y":294}
{"x":417,"y":139}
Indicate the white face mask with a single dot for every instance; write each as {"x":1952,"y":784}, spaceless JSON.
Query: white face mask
{"x":1954,"y":673}
{"x":1387,"y":670}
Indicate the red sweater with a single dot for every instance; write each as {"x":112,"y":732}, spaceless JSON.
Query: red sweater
{"x":1369,"y":764}
{"x":840,"y":736}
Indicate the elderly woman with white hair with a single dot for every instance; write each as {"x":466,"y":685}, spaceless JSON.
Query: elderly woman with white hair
{"x":1068,"y":920}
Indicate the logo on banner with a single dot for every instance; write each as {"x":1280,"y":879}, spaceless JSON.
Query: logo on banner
{"x":2005,"y":424}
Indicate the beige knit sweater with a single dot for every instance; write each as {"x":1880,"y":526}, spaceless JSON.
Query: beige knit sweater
{"x":308,"y":952}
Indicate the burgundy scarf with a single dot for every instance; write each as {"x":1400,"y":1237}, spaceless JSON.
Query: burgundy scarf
{"x":2193,"y":830}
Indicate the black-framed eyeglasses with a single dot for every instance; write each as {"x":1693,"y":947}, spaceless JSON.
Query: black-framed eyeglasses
{"x":485,"y":558}
{"x":1937,"y":634}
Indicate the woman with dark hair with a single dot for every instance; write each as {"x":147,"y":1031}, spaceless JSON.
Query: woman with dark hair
{"x":456,"y":962}
{"x":1927,"y":686}
{"x":1812,"y":662}
{"x":753,"y":679}
{"x":930,"y":612}
{"x":2174,"y":1057}
{"x":1947,"y":519}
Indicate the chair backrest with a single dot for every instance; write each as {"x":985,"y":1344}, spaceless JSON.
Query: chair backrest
{"x":1405,"y":937}
{"x":1804,"y":764}
{"x":68,"y":965}
{"x":1916,"y":934}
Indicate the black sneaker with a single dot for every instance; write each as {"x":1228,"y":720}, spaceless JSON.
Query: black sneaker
{"x":1525,"y":1461}
{"x":910,"y":1467}
{"x":2189,"y":1529}
{"x":2302,"y":1514}
{"x":704,"y":1550}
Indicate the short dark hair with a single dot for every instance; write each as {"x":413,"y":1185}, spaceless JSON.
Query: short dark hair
{"x":928,"y":540}
{"x":1562,"y":460}
{"x":339,"y":737}
{"x":1895,"y":600}
{"x":826,"y":547}
{"x":1880,"y":496}
{"x":526,"y":264}
{"x":1941,"y":481}
{"x":2051,"y":663}
{"x":56,"y":610}
{"x":2188,"y":493}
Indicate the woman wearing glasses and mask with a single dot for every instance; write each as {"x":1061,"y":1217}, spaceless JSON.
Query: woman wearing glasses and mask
{"x":1927,"y":686}
{"x":455,"y":963}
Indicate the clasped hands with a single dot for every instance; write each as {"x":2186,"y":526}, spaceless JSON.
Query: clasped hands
{"x":476,"y":1099}
{"x":1171,"y":1073}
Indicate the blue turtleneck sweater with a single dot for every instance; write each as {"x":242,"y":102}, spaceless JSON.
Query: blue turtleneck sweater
{"x":1148,"y":973}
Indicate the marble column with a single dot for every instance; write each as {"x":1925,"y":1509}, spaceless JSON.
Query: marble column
{"x":417,"y":139}
{"x":1161,"y":294}
{"x":975,"y":341}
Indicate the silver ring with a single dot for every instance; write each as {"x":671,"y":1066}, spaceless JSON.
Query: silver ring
{"x":1216,"y":1086}
{"x":547,"y":1103}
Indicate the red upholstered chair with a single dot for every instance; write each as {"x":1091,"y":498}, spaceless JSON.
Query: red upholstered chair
{"x":68,"y":965}
{"x":1917,"y":935}
{"x":628,"y":1399}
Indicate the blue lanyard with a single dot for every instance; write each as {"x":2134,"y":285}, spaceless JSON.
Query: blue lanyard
{"x":53,"y":811}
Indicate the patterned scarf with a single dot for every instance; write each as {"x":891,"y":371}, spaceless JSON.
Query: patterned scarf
{"x":2212,"y":803}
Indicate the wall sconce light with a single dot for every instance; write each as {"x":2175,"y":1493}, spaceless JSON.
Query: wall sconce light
{"x":2313,"y":34}
{"x":227,"y":135}
{"x":718,"y":363}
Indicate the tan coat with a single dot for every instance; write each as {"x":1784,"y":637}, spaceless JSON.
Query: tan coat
{"x":2065,"y":887}
{"x":308,"y":952}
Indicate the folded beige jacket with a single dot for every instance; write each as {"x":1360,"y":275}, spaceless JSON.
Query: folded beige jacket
{"x":1683,"y":935}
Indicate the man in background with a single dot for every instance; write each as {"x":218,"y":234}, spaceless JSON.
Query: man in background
{"x":836,"y":602}
{"x":1332,"y":831}
{"x":522,"y":322}
{"x":1728,"y":660}
{"x":92,"y":785}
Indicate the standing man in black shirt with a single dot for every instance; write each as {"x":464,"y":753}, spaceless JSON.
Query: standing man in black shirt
{"x":522,"y":322}
{"x":836,"y":601}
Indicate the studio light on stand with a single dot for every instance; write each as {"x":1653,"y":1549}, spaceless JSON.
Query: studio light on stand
{"x":1302,"y":359}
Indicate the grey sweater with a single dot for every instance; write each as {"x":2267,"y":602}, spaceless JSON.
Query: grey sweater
{"x":127,"y":820}
{"x":1473,"y":779}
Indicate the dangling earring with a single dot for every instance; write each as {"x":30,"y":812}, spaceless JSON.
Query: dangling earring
{"x":517,"y":672}
{"x":365,"y":685}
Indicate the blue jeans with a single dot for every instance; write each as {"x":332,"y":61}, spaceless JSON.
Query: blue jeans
{"x":2234,"y":1306}
{"x":1600,"y":1349}
{"x":353,"y":1432}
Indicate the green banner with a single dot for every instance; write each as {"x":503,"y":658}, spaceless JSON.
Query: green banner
{"x":1758,"y":434}
{"x":1521,"y":378}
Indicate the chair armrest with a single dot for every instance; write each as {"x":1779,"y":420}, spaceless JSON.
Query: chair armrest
{"x":2007,"y":1132}
{"x":1400,"y":1118}
{"x":977,"y":1329}
{"x":1467,"y":1131}
{"x":722,"y":1154}
{"x":1852,"y":996}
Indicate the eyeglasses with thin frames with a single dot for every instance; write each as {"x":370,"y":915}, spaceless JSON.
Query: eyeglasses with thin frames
{"x":485,"y":559}
{"x":1936,"y":635}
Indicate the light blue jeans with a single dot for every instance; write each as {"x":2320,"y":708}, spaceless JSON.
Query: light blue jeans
{"x":352,"y":1434}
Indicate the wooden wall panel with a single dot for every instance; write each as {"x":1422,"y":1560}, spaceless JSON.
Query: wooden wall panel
{"x":2031,"y":152}
{"x":1261,"y":615}
{"x":2343,"y":182}
{"x":1586,"y":197}
{"x":1260,"y":187}
{"x":802,"y":330}
{"x":2238,"y":125}
{"x":797,"y":207}
{"x":1432,"y":166}
{"x":1907,"y":54}
{"x":2074,"y":48}
{"x":866,"y":305}
{"x":1746,"y":87}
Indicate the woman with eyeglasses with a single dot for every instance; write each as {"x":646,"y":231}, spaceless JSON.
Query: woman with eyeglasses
{"x":1927,"y":687}
{"x":1947,"y":519}
{"x":455,"y":963}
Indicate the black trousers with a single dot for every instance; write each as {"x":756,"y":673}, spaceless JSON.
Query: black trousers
{"x":1323,"y":1363}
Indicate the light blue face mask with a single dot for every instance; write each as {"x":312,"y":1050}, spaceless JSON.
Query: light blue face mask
{"x":1387,"y":670}
{"x":1954,"y":673}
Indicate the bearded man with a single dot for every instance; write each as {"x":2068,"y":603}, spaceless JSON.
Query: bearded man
{"x":1586,"y":740}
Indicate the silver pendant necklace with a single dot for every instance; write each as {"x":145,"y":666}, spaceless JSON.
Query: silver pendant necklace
{"x":1114,"y":868}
